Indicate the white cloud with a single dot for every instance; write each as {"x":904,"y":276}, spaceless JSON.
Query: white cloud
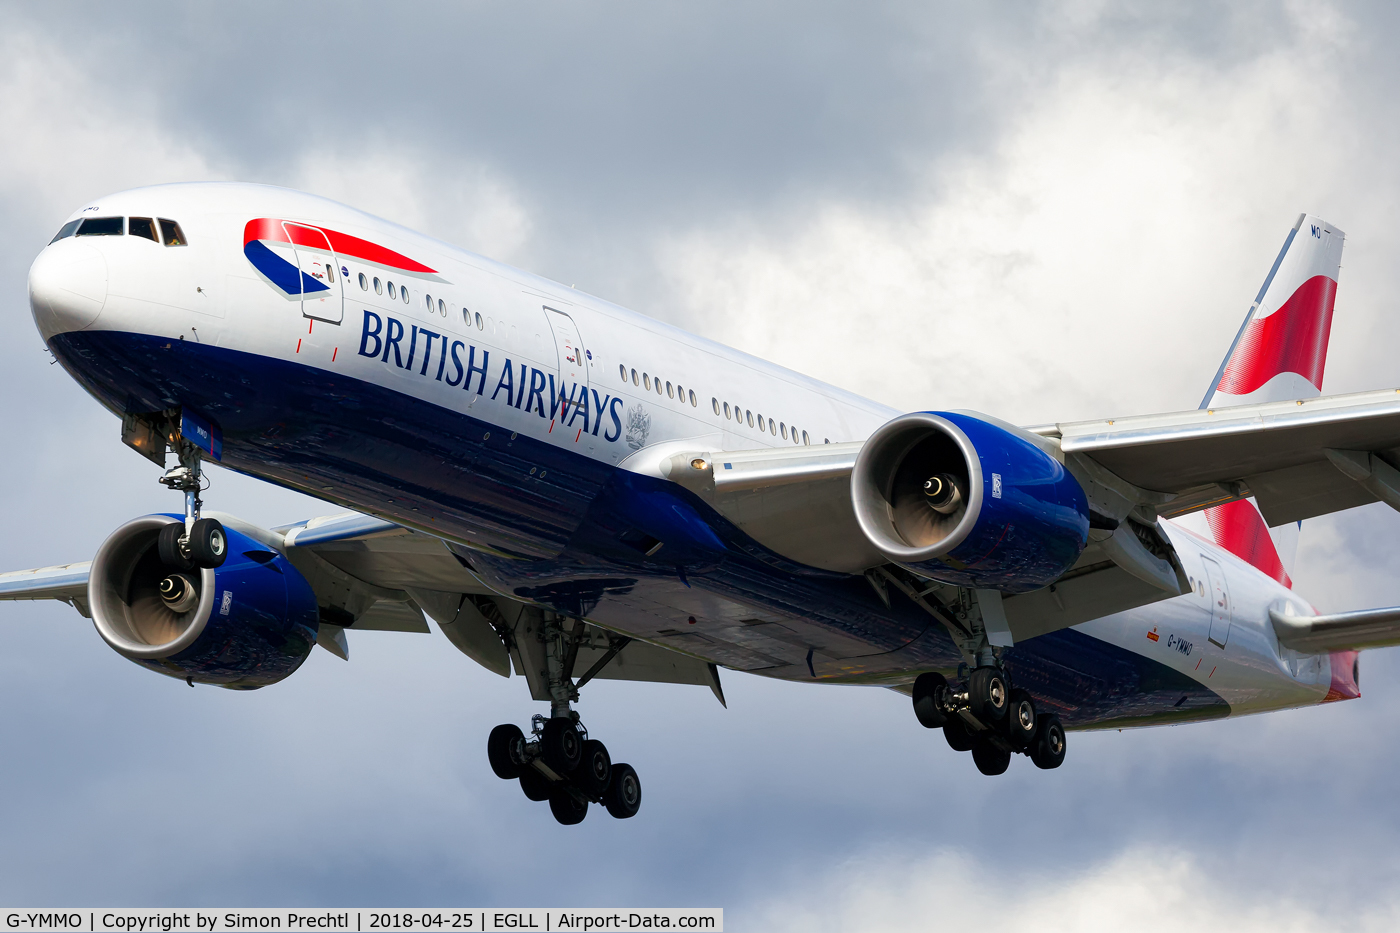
{"x":1095,"y":259}
{"x":1143,"y":890}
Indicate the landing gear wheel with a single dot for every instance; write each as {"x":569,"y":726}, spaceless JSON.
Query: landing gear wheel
{"x":595,"y":770}
{"x":208,"y":545}
{"x":505,"y":749}
{"x":987,"y":694}
{"x":955,"y":731}
{"x":623,"y":797}
{"x":168,"y":547}
{"x":1020,"y":721}
{"x":561,"y":746}
{"x":1048,"y":747}
{"x":567,"y":808}
{"x":535,"y":785}
{"x":929,"y":691}
{"x":990,"y":759}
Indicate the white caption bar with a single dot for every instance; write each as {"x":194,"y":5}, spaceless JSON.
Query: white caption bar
{"x":318,"y":920}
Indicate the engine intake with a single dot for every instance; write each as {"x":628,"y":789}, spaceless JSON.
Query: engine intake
{"x":243,"y":625}
{"x":963,"y":499}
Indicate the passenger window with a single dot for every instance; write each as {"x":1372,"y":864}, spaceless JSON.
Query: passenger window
{"x":428,"y":303}
{"x":634,"y":377}
{"x":442,"y":308}
{"x":403,"y":293}
{"x":782,"y":426}
{"x":393,"y":292}
{"x":760,"y":423}
{"x":364,"y":283}
{"x":771,"y":429}
{"x":623,"y":370}
{"x":726,"y":410}
{"x":378,"y":289}
{"x":172,"y":233}
{"x":478,"y":319}
{"x":330,"y":272}
{"x":142,"y":226}
{"x":658,"y":387}
{"x":692,"y":398}
{"x":101,"y":226}
{"x":66,"y":230}
{"x":749,"y":414}
{"x":669,"y":393}
{"x":805,"y":439}
{"x":715,"y":402}
{"x":646,"y":382}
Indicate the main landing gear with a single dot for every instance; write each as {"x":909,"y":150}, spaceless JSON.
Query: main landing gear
{"x":989,"y":719}
{"x":194,"y":544}
{"x":558,"y":761}
{"x":561,"y":764}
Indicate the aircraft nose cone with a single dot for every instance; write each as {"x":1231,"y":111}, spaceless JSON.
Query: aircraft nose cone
{"x":67,"y":287}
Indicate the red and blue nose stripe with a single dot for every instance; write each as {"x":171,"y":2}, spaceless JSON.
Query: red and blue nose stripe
{"x":291,"y":280}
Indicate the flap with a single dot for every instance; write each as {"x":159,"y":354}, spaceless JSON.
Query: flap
{"x":1276,"y":451}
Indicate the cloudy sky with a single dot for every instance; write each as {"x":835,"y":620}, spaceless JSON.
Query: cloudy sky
{"x":1045,"y":211}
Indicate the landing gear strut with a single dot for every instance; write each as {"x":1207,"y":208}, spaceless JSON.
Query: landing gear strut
{"x":557,"y":761}
{"x":198,"y":542}
{"x":989,"y":720}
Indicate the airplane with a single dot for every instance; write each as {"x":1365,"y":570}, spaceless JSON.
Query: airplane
{"x":572,"y":491}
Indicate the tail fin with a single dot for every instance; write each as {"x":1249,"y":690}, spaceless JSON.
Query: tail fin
{"x":1281,"y":349}
{"x":1279,"y":354}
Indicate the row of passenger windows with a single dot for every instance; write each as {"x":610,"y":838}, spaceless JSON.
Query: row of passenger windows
{"x":400,"y":293}
{"x":646,"y":382}
{"x":154,"y":229}
{"x":744,"y":416}
{"x":732,"y":412}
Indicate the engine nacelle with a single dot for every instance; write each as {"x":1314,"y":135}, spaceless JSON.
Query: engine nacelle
{"x":243,"y":625}
{"x":961,"y":499}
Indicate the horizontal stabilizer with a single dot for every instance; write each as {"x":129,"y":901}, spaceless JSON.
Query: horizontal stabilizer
{"x":1367,"y":628}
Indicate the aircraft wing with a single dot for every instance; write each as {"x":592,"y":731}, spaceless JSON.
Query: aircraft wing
{"x":1367,"y":628}
{"x":1298,"y":459}
{"x":371,"y":574}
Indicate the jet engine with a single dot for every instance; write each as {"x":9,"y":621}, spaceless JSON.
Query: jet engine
{"x":964,"y":499}
{"x":245,"y":624}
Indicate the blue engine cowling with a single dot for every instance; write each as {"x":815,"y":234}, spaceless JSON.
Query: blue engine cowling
{"x":254,"y":621}
{"x":963,"y":499}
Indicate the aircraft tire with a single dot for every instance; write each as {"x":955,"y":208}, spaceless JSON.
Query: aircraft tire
{"x":208,"y":545}
{"x":561,"y":746}
{"x":505,"y":748}
{"x":990,"y":759}
{"x":168,"y":547}
{"x":567,"y":808}
{"x":1048,"y":748}
{"x":928,"y":695}
{"x":594,"y":772}
{"x":988,"y":694}
{"x":1021,"y":720}
{"x":955,"y":731}
{"x":536,"y":786}
{"x":623,"y":797}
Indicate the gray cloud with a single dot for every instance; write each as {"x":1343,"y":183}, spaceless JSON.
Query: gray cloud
{"x":1049,"y":212}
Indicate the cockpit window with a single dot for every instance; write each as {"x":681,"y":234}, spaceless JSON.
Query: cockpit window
{"x":102,"y":226}
{"x":142,"y":226}
{"x":174,"y":236}
{"x":66,"y":230}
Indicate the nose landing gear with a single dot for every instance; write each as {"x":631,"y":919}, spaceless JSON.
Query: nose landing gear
{"x":989,"y":720}
{"x":198,"y":542}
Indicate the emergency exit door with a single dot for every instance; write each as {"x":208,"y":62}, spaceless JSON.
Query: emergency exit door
{"x":320,"y":279}
{"x":1219,"y":595}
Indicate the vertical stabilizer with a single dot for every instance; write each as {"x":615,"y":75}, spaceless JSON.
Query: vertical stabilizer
{"x":1279,"y":353}
{"x":1281,"y":349}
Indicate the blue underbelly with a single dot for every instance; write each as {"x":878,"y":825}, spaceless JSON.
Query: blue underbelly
{"x":581,"y":535}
